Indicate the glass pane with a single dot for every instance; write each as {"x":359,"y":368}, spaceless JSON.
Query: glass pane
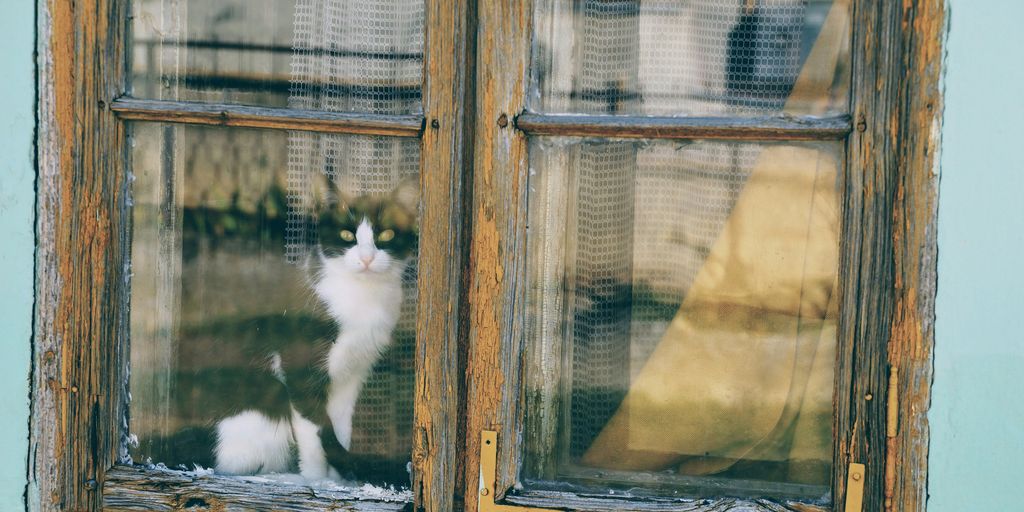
{"x":273,"y":302}
{"x":700,"y":57}
{"x":335,"y":55}
{"x":682,"y":311}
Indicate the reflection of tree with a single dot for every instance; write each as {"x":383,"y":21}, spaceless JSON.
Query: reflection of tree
{"x":265,"y":223}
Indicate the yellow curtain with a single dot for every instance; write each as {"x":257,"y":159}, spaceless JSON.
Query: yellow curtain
{"x":744,"y":370}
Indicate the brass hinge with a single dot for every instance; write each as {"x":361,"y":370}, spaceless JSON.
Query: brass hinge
{"x":892,"y":429}
{"x":488,"y":463}
{"x":855,"y":488}
{"x":489,"y":457}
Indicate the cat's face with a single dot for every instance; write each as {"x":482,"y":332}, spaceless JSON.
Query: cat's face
{"x":368,"y":234}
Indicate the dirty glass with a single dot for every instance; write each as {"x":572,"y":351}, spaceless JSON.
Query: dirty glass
{"x":337,"y":55}
{"x":681,"y":316}
{"x":693,"y":58}
{"x":273,"y":303}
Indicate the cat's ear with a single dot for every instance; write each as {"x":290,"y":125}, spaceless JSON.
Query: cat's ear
{"x":329,"y":194}
{"x":407,"y":194}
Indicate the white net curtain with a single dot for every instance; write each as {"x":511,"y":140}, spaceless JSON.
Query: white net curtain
{"x":360,"y":56}
{"x":643,"y":218}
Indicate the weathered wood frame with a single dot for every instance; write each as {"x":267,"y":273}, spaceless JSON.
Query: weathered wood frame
{"x":213,"y":114}
{"x":79,"y":392}
{"x":887,"y":266}
{"x":80,"y":395}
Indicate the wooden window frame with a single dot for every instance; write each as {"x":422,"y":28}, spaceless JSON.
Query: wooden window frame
{"x":887,"y":263}
{"x":473,"y":163}
{"x":80,"y":373}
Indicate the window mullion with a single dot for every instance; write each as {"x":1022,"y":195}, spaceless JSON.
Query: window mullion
{"x":497,"y":249}
{"x":447,"y":92}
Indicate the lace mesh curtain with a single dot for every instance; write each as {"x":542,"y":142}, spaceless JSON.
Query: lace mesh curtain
{"x":635,"y":259}
{"x":359,"y":56}
{"x":351,"y":56}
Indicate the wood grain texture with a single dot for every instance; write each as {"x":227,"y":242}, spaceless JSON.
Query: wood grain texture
{"x":497,"y":250}
{"x":442,"y":256}
{"x":866,"y":272}
{"x":888,"y":253}
{"x":130,"y":488}
{"x":720,"y":128}
{"x":79,"y":373}
{"x":912,"y":336}
{"x":216,"y":114}
{"x":611,"y":503}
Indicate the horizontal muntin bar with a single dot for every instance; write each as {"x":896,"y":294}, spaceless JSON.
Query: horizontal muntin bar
{"x":214,"y":114}
{"x":278,"y":48}
{"x":730,"y":128}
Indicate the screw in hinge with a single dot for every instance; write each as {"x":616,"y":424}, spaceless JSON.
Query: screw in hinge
{"x":503,"y":120}
{"x":90,"y":484}
{"x":484,"y":492}
{"x":435,"y":124}
{"x":855,"y":488}
{"x":862,"y":124}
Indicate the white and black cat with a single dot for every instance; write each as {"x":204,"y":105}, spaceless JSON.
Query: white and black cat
{"x":293,"y":408}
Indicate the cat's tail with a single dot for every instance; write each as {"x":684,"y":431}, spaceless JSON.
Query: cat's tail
{"x":369,"y":468}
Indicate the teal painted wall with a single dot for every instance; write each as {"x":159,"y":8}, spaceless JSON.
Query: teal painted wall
{"x":977,"y":414}
{"x":17,"y":247}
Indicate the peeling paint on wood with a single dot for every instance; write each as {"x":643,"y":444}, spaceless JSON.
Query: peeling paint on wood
{"x":889,"y":249}
{"x":439,"y":323}
{"x":79,"y":388}
{"x":915,"y":245}
{"x":865,"y":261}
{"x":131,"y":488}
{"x":606,"y":503}
{"x":498,"y":242}
{"x":719,"y":128}
{"x":215,"y":114}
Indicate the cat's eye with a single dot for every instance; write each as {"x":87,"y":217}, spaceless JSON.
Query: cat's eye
{"x":386,"y":236}
{"x":347,"y":235}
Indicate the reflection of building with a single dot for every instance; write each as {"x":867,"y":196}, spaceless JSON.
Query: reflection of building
{"x":696,"y":56}
{"x":235,"y":50}
{"x":254,"y":52}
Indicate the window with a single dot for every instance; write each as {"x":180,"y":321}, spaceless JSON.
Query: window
{"x":662,"y":254}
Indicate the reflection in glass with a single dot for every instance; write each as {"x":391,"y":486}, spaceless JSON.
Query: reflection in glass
{"x":682,"y":314}
{"x":335,"y":55}
{"x":700,"y":57}
{"x":273,"y":316}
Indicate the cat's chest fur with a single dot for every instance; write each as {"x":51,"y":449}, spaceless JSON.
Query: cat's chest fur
{"x":366,"y":306}
{"x":360,"y":300}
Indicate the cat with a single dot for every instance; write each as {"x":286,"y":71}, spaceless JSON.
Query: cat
{"x":294,"y":406}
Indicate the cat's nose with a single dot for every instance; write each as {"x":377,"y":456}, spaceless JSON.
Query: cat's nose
{"x":366,"y":260}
